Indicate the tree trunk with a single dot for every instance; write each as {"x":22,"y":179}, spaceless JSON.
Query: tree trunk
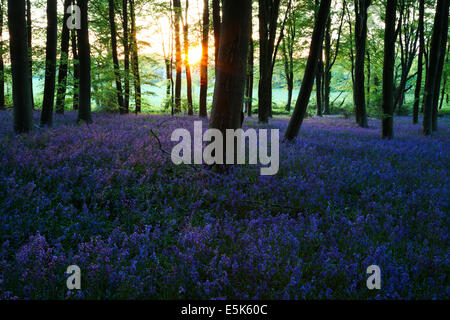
{"x":115,"y":56}
{"x":187,"y":63}
{"x":436,"y":58}
{"x":178,"y":62}
{"x":2,"y":63}
{"x":76,"y":70}
{"x":268,"y":23}
{"x":250,"y":76}
{"x":84,"y":51}
{"x":135,"y":61}
{"x":418,"y":90}
{"x":327,"y":70}
{"x":310,"y":71}
{"x":361,"y":7}
{"x":20,"y":66}
{"x":319,"y":76}
{"x":388,"y":70}
{"x":232,"y":61}
{"x":126,"y":48}
{"x":63,"y":61}
{"x":444,"y":84}
{"x":204,"y":62}
{"x":30,"y":48}
{"x":50,"y":64}
{"x":217,"y":26}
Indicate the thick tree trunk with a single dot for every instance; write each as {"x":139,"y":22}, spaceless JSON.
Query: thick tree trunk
{"x":178,"y":62}
{"x":250,"y":77}
{"x":2,"y":63}
{"x":115,"y":56}
{"x":388,"y":70}
{"x":30,"y":47}
{"x":50,"y":64}
{"x":268,"y":23}
{"x":230,"y":82}
{"x":135,"y":61}
{"x":187,"y":63}
{"x":84,"y":51}
{"x":436,"y":59}
{"x":418,"y":89}
{"x":76,"y":70}
{"x":203,"y":109}
{"x":63,"y":61}
{"x":361,"y":7}
{"x":126,"y":48}
{"x":20,"y":66}
{"x":310,"y":71}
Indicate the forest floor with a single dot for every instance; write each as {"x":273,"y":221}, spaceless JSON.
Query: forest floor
{"x":105,"y":198}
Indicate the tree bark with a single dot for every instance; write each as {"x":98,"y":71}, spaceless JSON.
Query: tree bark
{"x":361,"y":7}
{"x":232,"y":61}
{"x":217,"y":22}
{"x":135,"y":61}
{"x":50,"y":64}
{"x":268,"y":23}
{"x":63,"y":61}
{"x":20,"y":66}
{"x":187,"y":63}
{"x":310,"y":71}
{"x":30,"y":48}
{"x":388,"y":70}
{"x":203,"y":109}
{"x":178,"y":62}
{"x":2,"y":63}
{"x":436,"y":58}
{"x":84,"y":51}
{"x":250,"y":76}
{"x":76,"y":70}
{"x":126,"y":48}
{"x":418,"y":89}
{"x":115,"y":56}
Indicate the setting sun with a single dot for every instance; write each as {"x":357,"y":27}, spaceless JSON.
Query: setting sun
{"x":195,"y":55}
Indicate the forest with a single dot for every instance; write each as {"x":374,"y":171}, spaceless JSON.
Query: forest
{"x":91,"y":93}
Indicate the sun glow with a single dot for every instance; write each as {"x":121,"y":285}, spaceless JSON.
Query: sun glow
{"x":195,"y":55}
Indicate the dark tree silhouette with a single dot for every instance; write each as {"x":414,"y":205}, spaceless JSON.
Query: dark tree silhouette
{"x":435,"y":64}
{"x":2,"y":63}
{"x":187,"y":63}
{"x":418,"y":90}
{"x":178,"y":62}
{"x":388,"y":70}
{"x":126,"y":53}
{"x":84,"y":52}
{"x":64,"y":60}
{"x":310,"y":71}
{"x":250,"y":77}
{"x":30,"y":46}
{"x":204,"y":63}
{"x":50,"y":64}
{"x":135,"y":60}
{"x":216,"y":26}
{"x":232,"y":62}
{"x":20,"y":66}
{"x":115,"y":56}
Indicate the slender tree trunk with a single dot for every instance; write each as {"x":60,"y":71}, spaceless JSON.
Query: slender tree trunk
{"x":63,"y":61}
{"x":30,"y":47}
{"x":84,"y":50}
{"x":216,"y":26}
{"x":444,"y":84}
{"x":115,"y":56}
{"x":178,"y":62}
{"x":327,"y":70}
{"x":230,"y":82}
{"x":436,"y":58}
{"x":361,"y":7}
{"x":76,"y":70}
{"x":50,"y":64}
{"x":250,"y":76}
{"x":126,"y":47}
{"x":135,"y":60}
{"x":418,"y":90}
{"x":388,"y":70}
{"x":319,"y":77}
{"x":187,"y":63}
{"x":20,"y":66}
{"x":204,"y":62}
{"x":2,"y":63}
{"x":310,"y":71}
